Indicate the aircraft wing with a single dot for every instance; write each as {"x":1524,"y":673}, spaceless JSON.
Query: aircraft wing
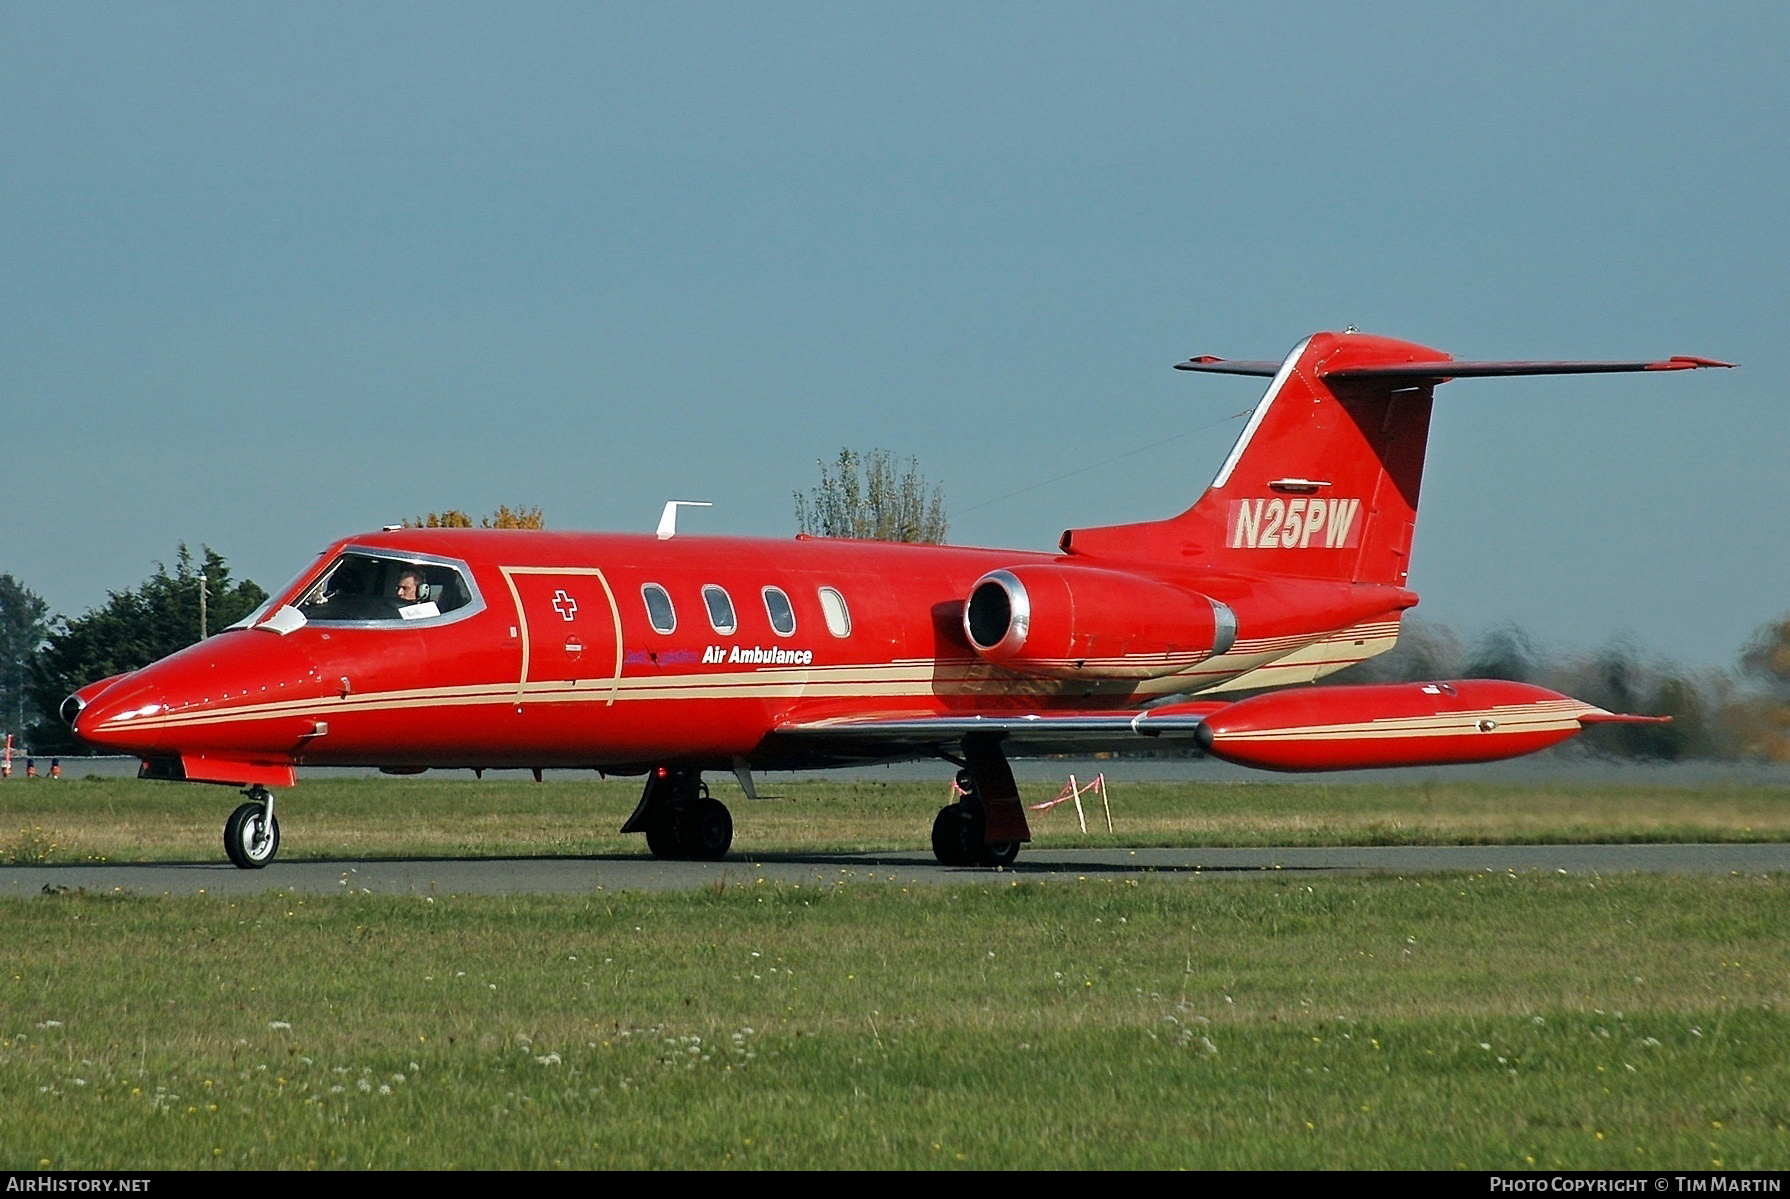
{"x":1308,"y":728}
{"x":1048,"y":732}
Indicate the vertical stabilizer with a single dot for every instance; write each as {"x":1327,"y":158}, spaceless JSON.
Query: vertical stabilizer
{"x":1322,"y":483}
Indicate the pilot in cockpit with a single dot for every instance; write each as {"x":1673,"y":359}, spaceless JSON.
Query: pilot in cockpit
{"x":410,"y":587}
{"x":412,"y":595}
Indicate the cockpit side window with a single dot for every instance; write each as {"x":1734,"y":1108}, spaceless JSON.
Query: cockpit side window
{"x":361,"y":586}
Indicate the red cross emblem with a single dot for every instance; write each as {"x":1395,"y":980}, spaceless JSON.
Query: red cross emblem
{"x":565,"y":605}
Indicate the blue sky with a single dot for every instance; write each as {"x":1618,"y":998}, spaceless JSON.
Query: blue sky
{"x":271,"y":274}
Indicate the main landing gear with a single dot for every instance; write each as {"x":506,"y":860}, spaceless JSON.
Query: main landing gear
{"x":987,"y":826}
{"x":682,"y":822}
{"x":252,"y":835}
{"x":960,"y":832}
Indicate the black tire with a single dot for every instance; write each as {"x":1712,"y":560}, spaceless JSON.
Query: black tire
{"x":957,"y":836}
{"x":709,"y":832}
{"x":244,"y":844}
{"x":663,"y":841}
{"x":999,"y":853}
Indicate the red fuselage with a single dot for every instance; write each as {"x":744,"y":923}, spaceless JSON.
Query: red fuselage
{"x":556,"y":660}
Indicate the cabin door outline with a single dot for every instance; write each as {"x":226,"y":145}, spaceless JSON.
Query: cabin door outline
{"x":539,"y":643}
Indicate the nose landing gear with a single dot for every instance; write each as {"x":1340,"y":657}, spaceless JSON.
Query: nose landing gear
{"x":252,"y":835}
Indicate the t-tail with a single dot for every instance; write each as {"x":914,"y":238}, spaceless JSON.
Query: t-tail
{"x":1323,"y":483}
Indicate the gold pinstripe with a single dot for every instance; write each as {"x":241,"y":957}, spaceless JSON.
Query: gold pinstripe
{"x":906,"y":678}
{"x":1541,"y":716}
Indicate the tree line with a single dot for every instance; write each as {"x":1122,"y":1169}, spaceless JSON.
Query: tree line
{"x":47,"y":658}
{"x":1722,"y":714}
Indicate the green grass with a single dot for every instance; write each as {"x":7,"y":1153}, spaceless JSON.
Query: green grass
{"x":1480,"y":1021}
{"x":1483,"y":1021}
{"x":131,"y":820}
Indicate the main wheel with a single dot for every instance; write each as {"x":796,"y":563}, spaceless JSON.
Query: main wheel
{"x":663,"y":840}
{"x":957,"y":836}
{"x":999,"y":853}
{"x":251,"y":838}
{"x":709,"y":832}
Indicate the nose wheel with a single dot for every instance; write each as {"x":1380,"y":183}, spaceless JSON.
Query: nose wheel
{"x":252,"y":835}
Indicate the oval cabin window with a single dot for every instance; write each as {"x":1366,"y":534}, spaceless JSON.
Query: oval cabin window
{"x":659,"y":612}
{"x":832,"y":606}
{"x":777,"y":607}
{"x":720,"y":607}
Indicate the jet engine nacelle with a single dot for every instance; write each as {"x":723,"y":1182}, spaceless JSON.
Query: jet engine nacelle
{"x":1086,"y":622}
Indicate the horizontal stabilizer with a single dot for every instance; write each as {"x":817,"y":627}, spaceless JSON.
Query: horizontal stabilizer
{"x":1223,"y":366}
{"x":1439,"y":371}
{"x":1448,"y":369}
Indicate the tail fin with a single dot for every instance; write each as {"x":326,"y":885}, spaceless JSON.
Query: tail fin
{"x":1324,"y":480}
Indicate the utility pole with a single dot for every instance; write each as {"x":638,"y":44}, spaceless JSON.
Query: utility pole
{"x":204,"y":588}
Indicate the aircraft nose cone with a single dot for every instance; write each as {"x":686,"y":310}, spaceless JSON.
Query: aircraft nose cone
{"x":121,"y":718}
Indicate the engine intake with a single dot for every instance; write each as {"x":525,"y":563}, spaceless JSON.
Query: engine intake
{"x":1086,"y":622}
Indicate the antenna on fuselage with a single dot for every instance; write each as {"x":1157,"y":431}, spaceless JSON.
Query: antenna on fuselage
{"x":668,"y":518}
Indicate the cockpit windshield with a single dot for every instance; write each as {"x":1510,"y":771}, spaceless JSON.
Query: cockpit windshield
{"x":363,"y":586}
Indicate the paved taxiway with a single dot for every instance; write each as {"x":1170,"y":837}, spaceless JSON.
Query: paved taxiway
{"x":560,"y":876}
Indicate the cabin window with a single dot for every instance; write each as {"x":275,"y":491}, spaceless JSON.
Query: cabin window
{"x":776,"y":606}
{"x":659,"y":612}
{"x":720,"y":609}
{"x":368,"y":587}
{"x":832,"y":606}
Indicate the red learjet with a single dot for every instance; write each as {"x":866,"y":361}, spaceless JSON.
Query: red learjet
{"x":673,"y":654}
